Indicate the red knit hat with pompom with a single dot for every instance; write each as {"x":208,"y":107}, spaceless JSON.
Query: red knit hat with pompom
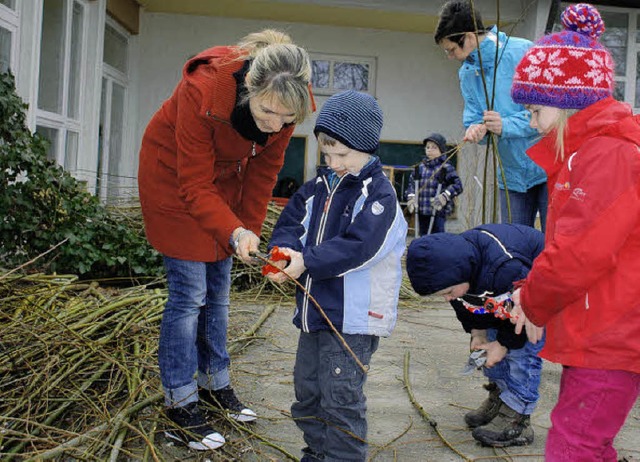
{"x":569,"y":69}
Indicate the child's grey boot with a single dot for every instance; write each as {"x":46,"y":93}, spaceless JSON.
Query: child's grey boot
{"x":508,"y":428}
{"x":487,"y":410}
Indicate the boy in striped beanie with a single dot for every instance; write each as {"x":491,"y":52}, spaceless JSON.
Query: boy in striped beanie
{"x":345,"y":234}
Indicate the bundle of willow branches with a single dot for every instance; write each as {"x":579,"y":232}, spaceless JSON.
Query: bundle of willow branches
{"x":78,"y":371}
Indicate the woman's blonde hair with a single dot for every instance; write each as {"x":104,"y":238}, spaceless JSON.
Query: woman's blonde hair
{"x":560,"y":126}
{"x":279,"y":69}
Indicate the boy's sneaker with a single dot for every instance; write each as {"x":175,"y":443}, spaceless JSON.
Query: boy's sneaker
{"x":488,"y":410}
{"x":508,"y":429}
{"x":225,"y":398}
{"x":191,"y":428}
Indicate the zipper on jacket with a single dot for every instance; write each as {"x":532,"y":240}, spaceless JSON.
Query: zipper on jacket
{"x":319,"y":237}
{"x":253,"y":154}
{"x":224,"y":121}
{"x":586,"y":301}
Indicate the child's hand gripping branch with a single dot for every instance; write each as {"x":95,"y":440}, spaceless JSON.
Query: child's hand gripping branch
{"x":293,"y":267}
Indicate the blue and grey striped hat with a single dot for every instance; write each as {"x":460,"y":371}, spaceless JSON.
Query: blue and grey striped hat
{"x":353,"y":118}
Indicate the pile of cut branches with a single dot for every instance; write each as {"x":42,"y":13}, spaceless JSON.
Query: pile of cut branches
{"x":78,"y":372}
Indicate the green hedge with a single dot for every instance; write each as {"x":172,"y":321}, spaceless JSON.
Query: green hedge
{"x":41,"y":205}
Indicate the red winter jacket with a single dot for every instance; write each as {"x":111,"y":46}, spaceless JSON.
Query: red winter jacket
{"x":198,"y":178}
{"x":585,"y":285}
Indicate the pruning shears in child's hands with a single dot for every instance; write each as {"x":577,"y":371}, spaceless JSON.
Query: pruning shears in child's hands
{"x":275,"y":255}
{"x":476,"y":360}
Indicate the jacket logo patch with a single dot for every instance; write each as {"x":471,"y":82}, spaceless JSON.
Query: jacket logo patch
{"x":562,"y":186}
{"x":377,"y":208}
{"x":578,"y":194}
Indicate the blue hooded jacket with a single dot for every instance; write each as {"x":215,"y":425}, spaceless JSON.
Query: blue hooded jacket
{"x":517,"y":136}
{"x":489,"y":257}
{"x":352,"y":238}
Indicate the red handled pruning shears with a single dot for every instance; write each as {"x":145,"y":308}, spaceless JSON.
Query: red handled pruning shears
{"x":275,"y":255}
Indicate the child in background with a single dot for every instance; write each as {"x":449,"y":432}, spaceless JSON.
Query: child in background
{"x":464,"y":269}
{"x":345,"y":234}
{"x":438,"y":184}
{"x":584,"y":285}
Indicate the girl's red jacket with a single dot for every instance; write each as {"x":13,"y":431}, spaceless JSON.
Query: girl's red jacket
{"x":585,"y":285}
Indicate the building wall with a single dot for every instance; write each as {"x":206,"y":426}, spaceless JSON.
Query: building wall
{"x":417,"y":87}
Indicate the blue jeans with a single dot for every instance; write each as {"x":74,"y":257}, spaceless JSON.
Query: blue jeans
{"x":425,"y":221}
{"x":518,"y":375}
{"x":525,"y":206}
{"x":193,"y":332}
{"x":330,"y":406}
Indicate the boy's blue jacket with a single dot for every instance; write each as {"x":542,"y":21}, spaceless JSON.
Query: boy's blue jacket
{"x":489,"y":257}
{"x":517,"y":136}
{"x":352,"y":239}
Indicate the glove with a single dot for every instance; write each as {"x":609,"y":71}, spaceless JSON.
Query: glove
{"x":438,"y":202}
{"x":412,"y":205}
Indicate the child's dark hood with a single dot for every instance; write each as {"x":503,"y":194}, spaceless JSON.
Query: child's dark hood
{"x":440,"y":260}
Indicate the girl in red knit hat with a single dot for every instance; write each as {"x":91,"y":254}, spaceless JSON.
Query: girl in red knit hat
{"x":583,"y":287}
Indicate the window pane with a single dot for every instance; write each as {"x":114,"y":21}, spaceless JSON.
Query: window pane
{"x":351,"y":76}
{"x":5,"y":50}
{"x":115,"y":139}
{"x":618,"y":91}
{"x":50,"y":134}
{"x":71,"y":152}
{"x":51,"y":56}
{"x":615,"y":38}
{"x":9,"y":3}
{"x":101,"y":136}
{"x":73,"y":108}
{"x":320,"y":74}
{"x":115,"y":49}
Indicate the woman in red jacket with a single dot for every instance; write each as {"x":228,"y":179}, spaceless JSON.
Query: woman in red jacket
{"x":208,"y":163}
{"x":583,"y":287}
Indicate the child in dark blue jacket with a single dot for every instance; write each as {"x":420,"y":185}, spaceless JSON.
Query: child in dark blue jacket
{"x":345,"y":234}
{"x":465,"y":269}
{"x":438,"y":184}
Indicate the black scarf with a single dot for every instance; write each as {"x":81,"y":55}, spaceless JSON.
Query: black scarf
{"x":241,"y":118}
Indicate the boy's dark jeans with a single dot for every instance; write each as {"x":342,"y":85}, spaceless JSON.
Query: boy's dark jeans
{"x":331,"y":406}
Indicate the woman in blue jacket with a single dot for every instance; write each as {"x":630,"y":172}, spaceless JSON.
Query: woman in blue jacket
{"x":466,"y":269}
{"x":468,"y":42}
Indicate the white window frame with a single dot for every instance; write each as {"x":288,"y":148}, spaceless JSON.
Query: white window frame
{"x":10,"y":20}
{"x":333,"y":59}
{"x":62,"y":122}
